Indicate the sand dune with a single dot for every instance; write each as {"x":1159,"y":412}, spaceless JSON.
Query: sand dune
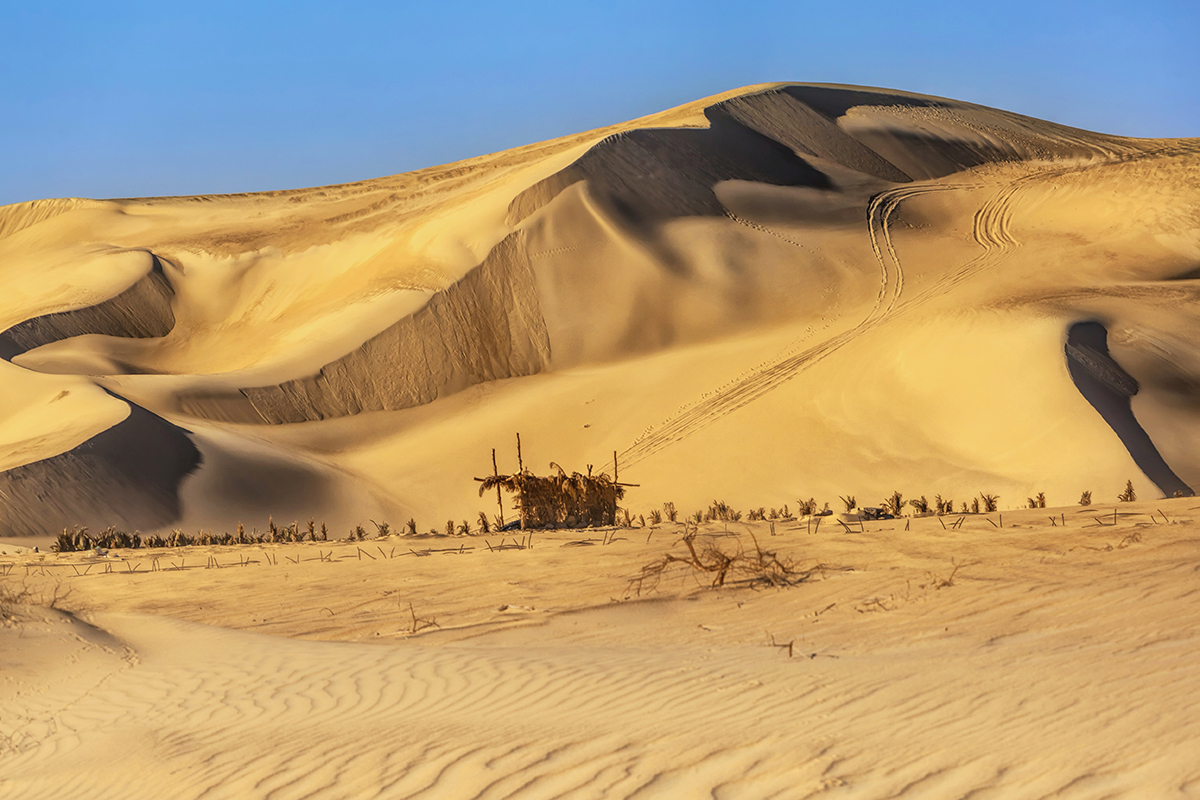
{"x":734,"y":271}
{"x":787,"y":291}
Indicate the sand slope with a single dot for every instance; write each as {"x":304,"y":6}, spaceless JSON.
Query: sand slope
{"x":1033,"y":660}
{"x":832,"y":290}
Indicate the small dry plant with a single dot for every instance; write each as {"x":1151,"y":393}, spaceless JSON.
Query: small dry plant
{"x":1129,"y":495}
{"x":15,"y":597}
{"x":755,"y":567}
{"x":720,"y":511}
{"x":1085,"y":499}
{"x":420,"y":623}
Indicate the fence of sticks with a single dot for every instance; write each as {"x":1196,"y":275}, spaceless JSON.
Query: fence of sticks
{"x":574,"y":500}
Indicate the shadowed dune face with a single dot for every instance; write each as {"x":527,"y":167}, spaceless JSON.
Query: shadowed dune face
{"x":1108,"y":388}
{"x":142,"y":311}
{"x":648,"y":176}
{"x":128,"y":476}
{"x":486,"y":327}
{"x":795,"y":283}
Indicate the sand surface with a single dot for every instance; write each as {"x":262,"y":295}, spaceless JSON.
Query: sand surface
{"x":838,"y":290}
{"x":789,"y":291}
{"x":1033,"y":660}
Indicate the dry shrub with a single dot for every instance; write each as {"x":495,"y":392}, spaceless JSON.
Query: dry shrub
{"x":756,"y":567}
{"x":79,"y":540}
{"x":1129,"y":495}
{"x":17,"y":596}
{"x":894,"y":505}
{"x":669,"y":510}
{"x":848,"y":502}
{"x":720,"y":511}
{"x":989,"y":501}
{"x":1085,"y":499}
{"x":655,"y":517}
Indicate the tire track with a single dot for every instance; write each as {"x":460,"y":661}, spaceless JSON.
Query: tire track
{"x":774,"y":375}
{"x":992,"y":230}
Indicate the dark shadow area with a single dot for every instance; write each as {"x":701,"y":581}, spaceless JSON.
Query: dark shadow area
{"x":927,"y":157}
{"x":834,"y":103}
{"x":1189,"y":275}
{"x":1108,"y":387}
{"x":487,"y":326}
{"x":128,"y":476}
{"x":654,"y":174}
{"x":143,"y":311}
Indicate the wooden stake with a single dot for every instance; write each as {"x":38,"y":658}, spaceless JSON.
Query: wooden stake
{"x":499,"y":500}
{"x":614,"y":466}
{"x":520,"y":463}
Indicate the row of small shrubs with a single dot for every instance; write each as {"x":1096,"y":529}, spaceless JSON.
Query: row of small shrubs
{"x":79,"y":539}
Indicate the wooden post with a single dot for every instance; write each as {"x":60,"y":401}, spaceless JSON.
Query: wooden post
{"x":499,"y":500}
{"x":520,"y":463}
{"x":615,"y":475}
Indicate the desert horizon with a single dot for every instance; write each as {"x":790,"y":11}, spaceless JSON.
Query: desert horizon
{"x":801,"y":440}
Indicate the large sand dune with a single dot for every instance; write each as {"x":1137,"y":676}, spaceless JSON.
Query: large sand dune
{"x":784,"y":292}
{"x":790,"y":290}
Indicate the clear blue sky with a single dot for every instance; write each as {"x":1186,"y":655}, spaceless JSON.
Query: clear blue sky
{"x":118,"y":99}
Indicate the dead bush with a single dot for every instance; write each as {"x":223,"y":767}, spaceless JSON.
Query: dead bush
{"x":754,"y":567}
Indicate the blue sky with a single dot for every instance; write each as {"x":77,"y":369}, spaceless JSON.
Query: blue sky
{"x":119,"y":99}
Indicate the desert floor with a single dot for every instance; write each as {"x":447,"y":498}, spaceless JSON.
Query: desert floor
{"x":1038,"y":659}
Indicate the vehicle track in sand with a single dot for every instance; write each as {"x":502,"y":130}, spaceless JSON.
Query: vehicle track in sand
{"x":769,"y":377}
{"x":992,"y":231}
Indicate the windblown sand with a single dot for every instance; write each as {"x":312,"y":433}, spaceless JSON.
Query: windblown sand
{"x":1033,"y":660}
